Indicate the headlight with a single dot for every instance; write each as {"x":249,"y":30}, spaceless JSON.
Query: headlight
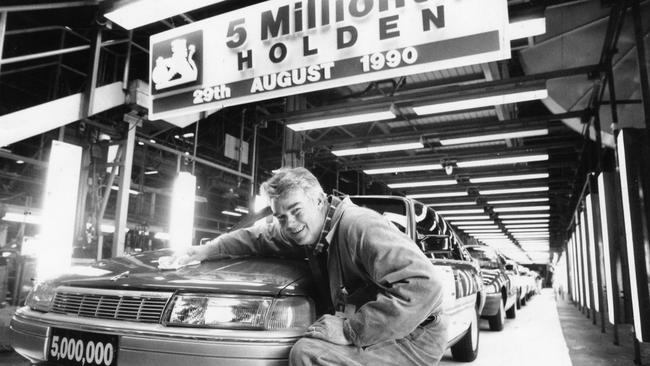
{"x":41,"y":296}
{"x":241,"y":312}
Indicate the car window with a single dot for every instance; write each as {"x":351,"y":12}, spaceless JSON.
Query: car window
{"x":394,"y":210}
{"x":486,"y":256}
{"x":430,"y":227}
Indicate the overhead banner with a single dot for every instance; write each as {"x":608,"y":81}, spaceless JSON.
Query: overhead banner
{"x":283,"y":47}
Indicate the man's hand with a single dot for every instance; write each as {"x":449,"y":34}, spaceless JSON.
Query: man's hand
{"x":328,"y":328}
{"x":186,"y":257}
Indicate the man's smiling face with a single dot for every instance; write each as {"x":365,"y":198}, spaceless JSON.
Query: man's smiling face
{"x":301,"y":217}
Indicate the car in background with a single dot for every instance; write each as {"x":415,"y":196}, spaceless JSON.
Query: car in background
{"x":519,"y":280}
{"x":235,"y":311}
{"x":529,"y":278}
{"x":500,"y":289}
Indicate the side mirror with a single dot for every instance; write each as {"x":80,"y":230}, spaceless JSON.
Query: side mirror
{"x":510,"y":267}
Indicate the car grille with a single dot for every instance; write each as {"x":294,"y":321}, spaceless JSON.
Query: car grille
{"x":120,"y":305}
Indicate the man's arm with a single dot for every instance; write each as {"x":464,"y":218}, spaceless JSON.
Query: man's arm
{"x":392,"y":260}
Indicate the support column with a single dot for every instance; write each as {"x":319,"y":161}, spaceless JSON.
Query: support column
{"x":3,"y":31}
{"x":292,"y":144}
{"x":122,"y":207}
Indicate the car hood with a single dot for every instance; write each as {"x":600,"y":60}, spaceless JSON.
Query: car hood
{"x":244,"y":275}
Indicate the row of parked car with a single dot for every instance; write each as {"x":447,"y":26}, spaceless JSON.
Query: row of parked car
{"x":243,"y":311}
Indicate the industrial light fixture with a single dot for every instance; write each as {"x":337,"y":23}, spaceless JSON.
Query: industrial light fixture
{"x":231,"y":213}
{"x":403,"y":169}
{"x":522,"y":208}
{"x":522,"y":200}
{"x":131,"y":191}
{"x":509,"y":178}
{"x":151,"y":172}
{"x":513,"y":190}
{"x":134,"y":14}
{"x":448,"y":204}
{"x":497,"y":98}
{"x":474,"y":217}
{"x":429,"y":183}
{"x":59,"y":209}
{"x":526,"y":230}
{"x":348,"y":119}
{"x":181,"y":224}
{"x":603,"y":192}
{"x":26,"y":218}
{"x":188,"y":135}
{"x":478,"y":222}
{"x":530,"y":221}
{"x":241,"y":209}
{"x":530,"y":235}
{"x":379,"y":148}
{"x":526,"y":28}
{"x":460,"y":212}
{"x":524,"y":216}
{"x":437,"y":195}
{"x":494,"y":137}
{"x":502,"y":161}
{"x":20,"y":161}
{"x":525,"y":226}
{"x":485,"y":231}
{"x":463,"y":227}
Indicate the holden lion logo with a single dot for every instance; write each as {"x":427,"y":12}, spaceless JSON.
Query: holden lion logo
{"x":178,"y":69}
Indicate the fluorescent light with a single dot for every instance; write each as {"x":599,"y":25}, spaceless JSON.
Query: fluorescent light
{"x":241,"y":209}
{"x":443,"y":182}
{"x":530,"y":235}
{"x":161,"y":236}
{"x":591,"y":235}
{"x":231,"y":213}
{"x":534,"y":242}
{"x":437,"y":195}
{"x":447,"y":204}
{"x":379,"y":148}
{"x":524,"y":216}
{"x":151,"y":172}
{"x":524,"y":230}
{"x":513,"y":190}
{"x":403,"y":169}
{"x":524,"y":226}
{"x":341,"y":121}
{"x":59,"y":209}
{"x":532,"y":221}
{"x":522,"y":208}
{"x":131,"y":191}
{"x":522,"y":200}
{"x":463,"y":227}
{"x":485,"y":231}
{"x":460,"y":212}
{"x":502,"y":161}
{"x":604,"y":222}
{"x":493,"y":137}
{"x":527,"y":28}
{"x":20,"y":162}
{"x":509,"y":178}
{"x":26,"y":218}
{"x":135,"y":14}
{"x":476,"y":217}
{"x":152,"y":141}
{"x":188,"y":135}
{"x":479,"y":102}
{"x":181,"y":224}
{"x":480,"y":222}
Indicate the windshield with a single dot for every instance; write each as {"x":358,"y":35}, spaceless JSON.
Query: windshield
{"x":486,"y":256}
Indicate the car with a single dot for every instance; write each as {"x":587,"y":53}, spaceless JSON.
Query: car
{"x":500,"y":290}
{"x":519,"y":280}
{"x":235,"y":311}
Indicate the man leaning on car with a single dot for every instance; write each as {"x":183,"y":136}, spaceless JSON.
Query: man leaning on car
{"x":387,"y":298}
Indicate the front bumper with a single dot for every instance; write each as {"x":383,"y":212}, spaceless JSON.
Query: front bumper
{"x":153,"y":344}
{"x":492,"y":301}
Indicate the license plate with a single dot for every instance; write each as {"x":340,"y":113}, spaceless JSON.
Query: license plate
{"x":76,"y":348}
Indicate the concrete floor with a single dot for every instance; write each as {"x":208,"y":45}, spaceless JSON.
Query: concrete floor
{"x":545,"y":332}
